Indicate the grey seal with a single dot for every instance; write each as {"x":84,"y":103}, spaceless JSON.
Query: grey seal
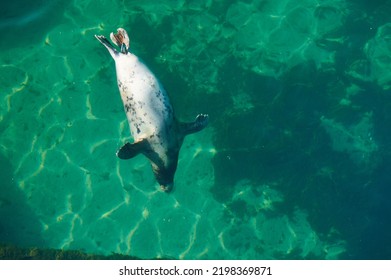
{"x":156,"y":132}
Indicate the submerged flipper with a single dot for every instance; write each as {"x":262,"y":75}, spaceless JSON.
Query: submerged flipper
{"x":130,"y":150}
{"x":108,"y":45}
{"x":199,"y":124}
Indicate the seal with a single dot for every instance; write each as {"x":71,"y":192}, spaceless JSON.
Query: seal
{"x":156,"y":132}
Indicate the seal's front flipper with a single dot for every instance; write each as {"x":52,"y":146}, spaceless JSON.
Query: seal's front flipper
{"x":130,"y":150}
{"x":107,"y":44}
{"x":200,"y":123}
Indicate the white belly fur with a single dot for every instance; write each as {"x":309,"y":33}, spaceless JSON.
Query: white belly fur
{"x":146,"y":103}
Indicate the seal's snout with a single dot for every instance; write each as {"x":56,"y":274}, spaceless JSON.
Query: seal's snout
{"x":167,"y":188}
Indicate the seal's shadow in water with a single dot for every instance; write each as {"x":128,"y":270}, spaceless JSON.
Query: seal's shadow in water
{"x":18,"y":223}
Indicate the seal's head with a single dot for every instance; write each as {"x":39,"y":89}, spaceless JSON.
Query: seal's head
{"x":165,"y":176}
{"x":165,"y":179}
{"x":167,"y":187}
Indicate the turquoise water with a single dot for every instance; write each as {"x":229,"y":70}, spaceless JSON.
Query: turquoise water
{"x":293,"y":165}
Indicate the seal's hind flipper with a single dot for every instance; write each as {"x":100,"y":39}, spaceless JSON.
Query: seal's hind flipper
{"x":200,"y":123}
{"x":107,"y":44}
{"x":130,"y":150}
{"x":121,"y":39}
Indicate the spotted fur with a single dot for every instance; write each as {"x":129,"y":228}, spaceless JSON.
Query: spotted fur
{"x":156,"y":132}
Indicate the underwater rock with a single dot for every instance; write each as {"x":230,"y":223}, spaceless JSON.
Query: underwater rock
{"x":259,"y":230}
{"x":10,"y":252}
{"x":357,"y":140}
{"x":268,"y":38}
{"x":378,"y":52}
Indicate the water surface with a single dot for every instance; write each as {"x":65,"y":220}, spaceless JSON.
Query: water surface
{"x":295,"y":161}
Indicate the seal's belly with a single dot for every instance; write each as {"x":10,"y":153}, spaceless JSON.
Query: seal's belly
{"x":145,"y":101}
